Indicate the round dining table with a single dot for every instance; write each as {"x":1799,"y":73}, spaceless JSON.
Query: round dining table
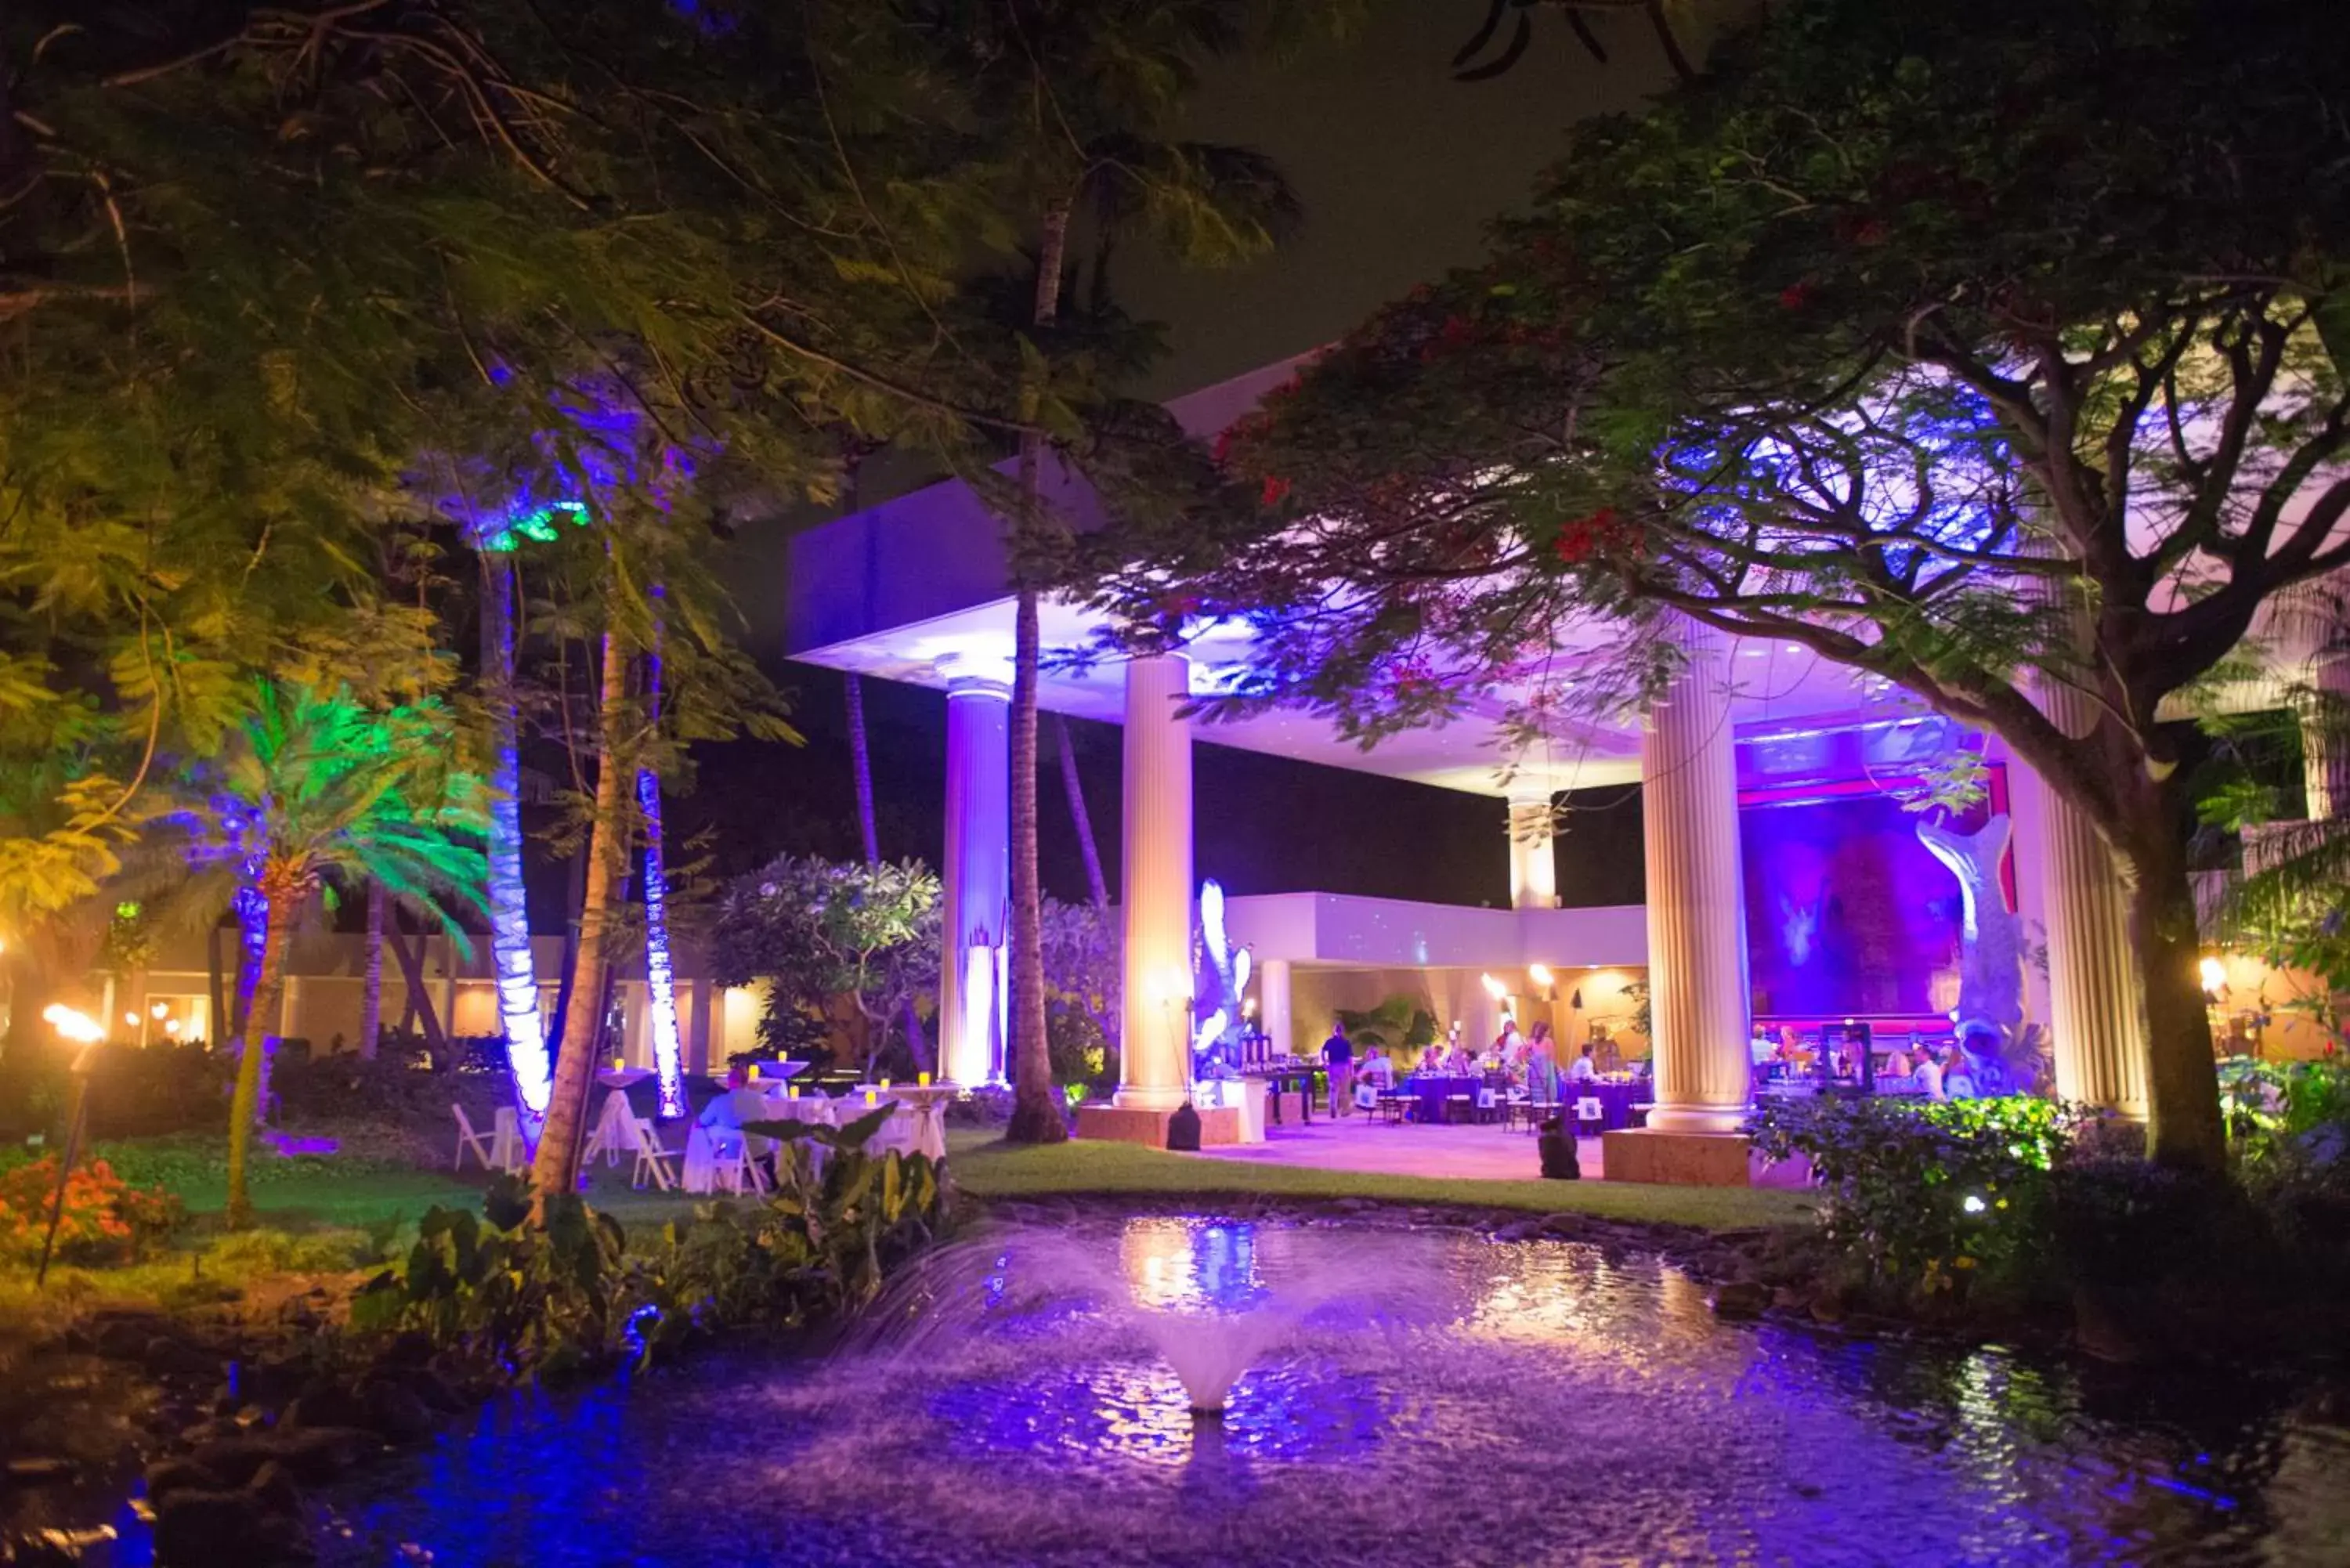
{"x":919,"y":1127}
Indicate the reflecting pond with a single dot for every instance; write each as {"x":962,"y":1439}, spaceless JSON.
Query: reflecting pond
{"x":1395,"y":1397}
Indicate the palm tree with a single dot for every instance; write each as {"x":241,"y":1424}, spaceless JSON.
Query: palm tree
{"x":555,"y":1166}
{"x":660,"y":987}
{"x":315,"y":785}
{"x":1081,"y":91}
{"x":510,"y":949}
{"x":371,"y":998}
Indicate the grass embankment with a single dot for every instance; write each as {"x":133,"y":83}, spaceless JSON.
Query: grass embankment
{"x":328,"y":1222}
{"x":986,"y":1167}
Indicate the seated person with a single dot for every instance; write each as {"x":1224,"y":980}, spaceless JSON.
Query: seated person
{"x":1985,"y":1067}
{"x":1958,"y":1083}
{"x":1377,"y":1067}
{"x":1584,"y":1069}
{"x":723,"y":1116}
{"x":1928,"y":1075}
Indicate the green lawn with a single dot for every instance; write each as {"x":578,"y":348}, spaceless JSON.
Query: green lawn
{"x":359,"y":1202}
{"x":985,"y":1166}
{"x":318,"y":1224}
{"x":988,"y":1167}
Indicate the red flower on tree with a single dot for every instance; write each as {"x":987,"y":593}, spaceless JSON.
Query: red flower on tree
{"x":1794,"y":296}
{"x":1604,"y":532}
{"x":1275,"y":491}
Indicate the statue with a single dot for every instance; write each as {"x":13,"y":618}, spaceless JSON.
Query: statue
{"x":1990,"y":952}
{"x":1216,"y":1039}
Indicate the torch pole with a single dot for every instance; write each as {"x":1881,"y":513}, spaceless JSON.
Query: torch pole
{"x":75,"y":1126}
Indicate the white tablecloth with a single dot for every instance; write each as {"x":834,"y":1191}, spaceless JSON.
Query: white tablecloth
{"x":1247,"y":1094}
{"x":615,"y":1132}
{"x":918,"y":1125}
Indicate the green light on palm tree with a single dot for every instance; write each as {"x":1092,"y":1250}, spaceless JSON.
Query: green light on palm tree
{"x":539,"y":525}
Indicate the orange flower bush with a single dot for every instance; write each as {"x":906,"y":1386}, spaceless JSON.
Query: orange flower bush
{"x":105,"y":1220}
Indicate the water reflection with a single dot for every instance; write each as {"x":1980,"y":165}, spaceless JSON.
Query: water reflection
{"x":1192,"y":1264}
{"x":1400,"y":1399}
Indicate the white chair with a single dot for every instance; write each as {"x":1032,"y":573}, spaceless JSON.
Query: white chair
{"x":615,"y":1131}
{"x":467,"y":1138}
{"x":736,"y":1168}
{"x":506,"y":1147}
{"x":653,"y":1160}
{"x":1590,"y":1116}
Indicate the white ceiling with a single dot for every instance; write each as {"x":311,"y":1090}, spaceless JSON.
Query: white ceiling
{"x":1777,"y":685}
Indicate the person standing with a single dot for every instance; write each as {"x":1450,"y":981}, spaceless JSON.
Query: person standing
{"x":1541,"y":1067}
{"x":1338,"y":1062}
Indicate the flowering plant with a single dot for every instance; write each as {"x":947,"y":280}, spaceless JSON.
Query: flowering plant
{"x":103,"y":1218}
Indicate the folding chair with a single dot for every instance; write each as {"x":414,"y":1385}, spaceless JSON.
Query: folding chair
{"x":653,"y":1160}
{"x":506,"y":1141}
{"x":736,"y":1168}
{"x":467,"y":1138}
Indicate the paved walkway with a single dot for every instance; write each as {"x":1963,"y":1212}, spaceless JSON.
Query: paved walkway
{"x":1451,"y":1152}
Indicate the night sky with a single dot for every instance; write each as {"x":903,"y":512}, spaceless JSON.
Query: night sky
{"x":1398,"y":169}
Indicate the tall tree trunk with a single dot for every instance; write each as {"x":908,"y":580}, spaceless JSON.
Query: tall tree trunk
{"x":1075,"y":789}
{"x":557,"y":1169}
{"x":860,"y":759}
{"x":1037,"y":1115}
{"x":420,"y":997}
{"x":511,"y":960}
{"x":371,"y":998}
{"x":2184,"y":1125}
{"x":660,"y":988}
{"x":216,"y":1026}
{"x":244,"y":1105}
{"x":252,"y":906}
{"x":860,"y":762}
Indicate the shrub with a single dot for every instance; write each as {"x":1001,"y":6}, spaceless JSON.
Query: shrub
{"x":104,"y":1219}
{"x":514,"y":1298}
{"x":1927,"y":1201}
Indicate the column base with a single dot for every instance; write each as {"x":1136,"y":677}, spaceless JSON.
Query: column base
{"x":1135,"y":1125}
{"x":1676,"y":1158}
{"x":1668,"y":1118}
{"x":1135,"y":1098}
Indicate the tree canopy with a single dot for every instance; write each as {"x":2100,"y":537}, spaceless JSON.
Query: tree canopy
{"x":1984,"y":350}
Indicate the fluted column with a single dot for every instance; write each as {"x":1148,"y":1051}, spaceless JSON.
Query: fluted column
{"x":1155,"y":895}
{"x":2093,"y":983}
{"x":1533,"y":865}
{"x":1274,"y":1006}
{"x":976,"y":883}
{"x":2326,"y":737}
{"x":1697,"y":905}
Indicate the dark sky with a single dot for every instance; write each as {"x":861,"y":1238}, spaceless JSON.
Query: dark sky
{"x":1398,"y":169}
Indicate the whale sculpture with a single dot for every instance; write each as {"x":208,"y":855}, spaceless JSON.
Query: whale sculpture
{"x":1991,"y":954}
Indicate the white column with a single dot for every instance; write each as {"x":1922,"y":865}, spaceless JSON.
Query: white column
{"x":2326,"y":737}
{"x":1533,"y":865}
{"x":1273,"y":1009}
{"x":975,"y":913}
{"x":1696,"y":891}
{"x":2093,"y":986}
{"x":1156,"y":890}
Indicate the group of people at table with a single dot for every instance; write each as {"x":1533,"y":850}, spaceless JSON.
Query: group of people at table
{"x":1968,"y":1068}
{"x":1533,"y":1064}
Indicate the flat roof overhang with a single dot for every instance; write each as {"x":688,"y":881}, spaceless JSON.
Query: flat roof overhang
{"x":892,"y":591}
